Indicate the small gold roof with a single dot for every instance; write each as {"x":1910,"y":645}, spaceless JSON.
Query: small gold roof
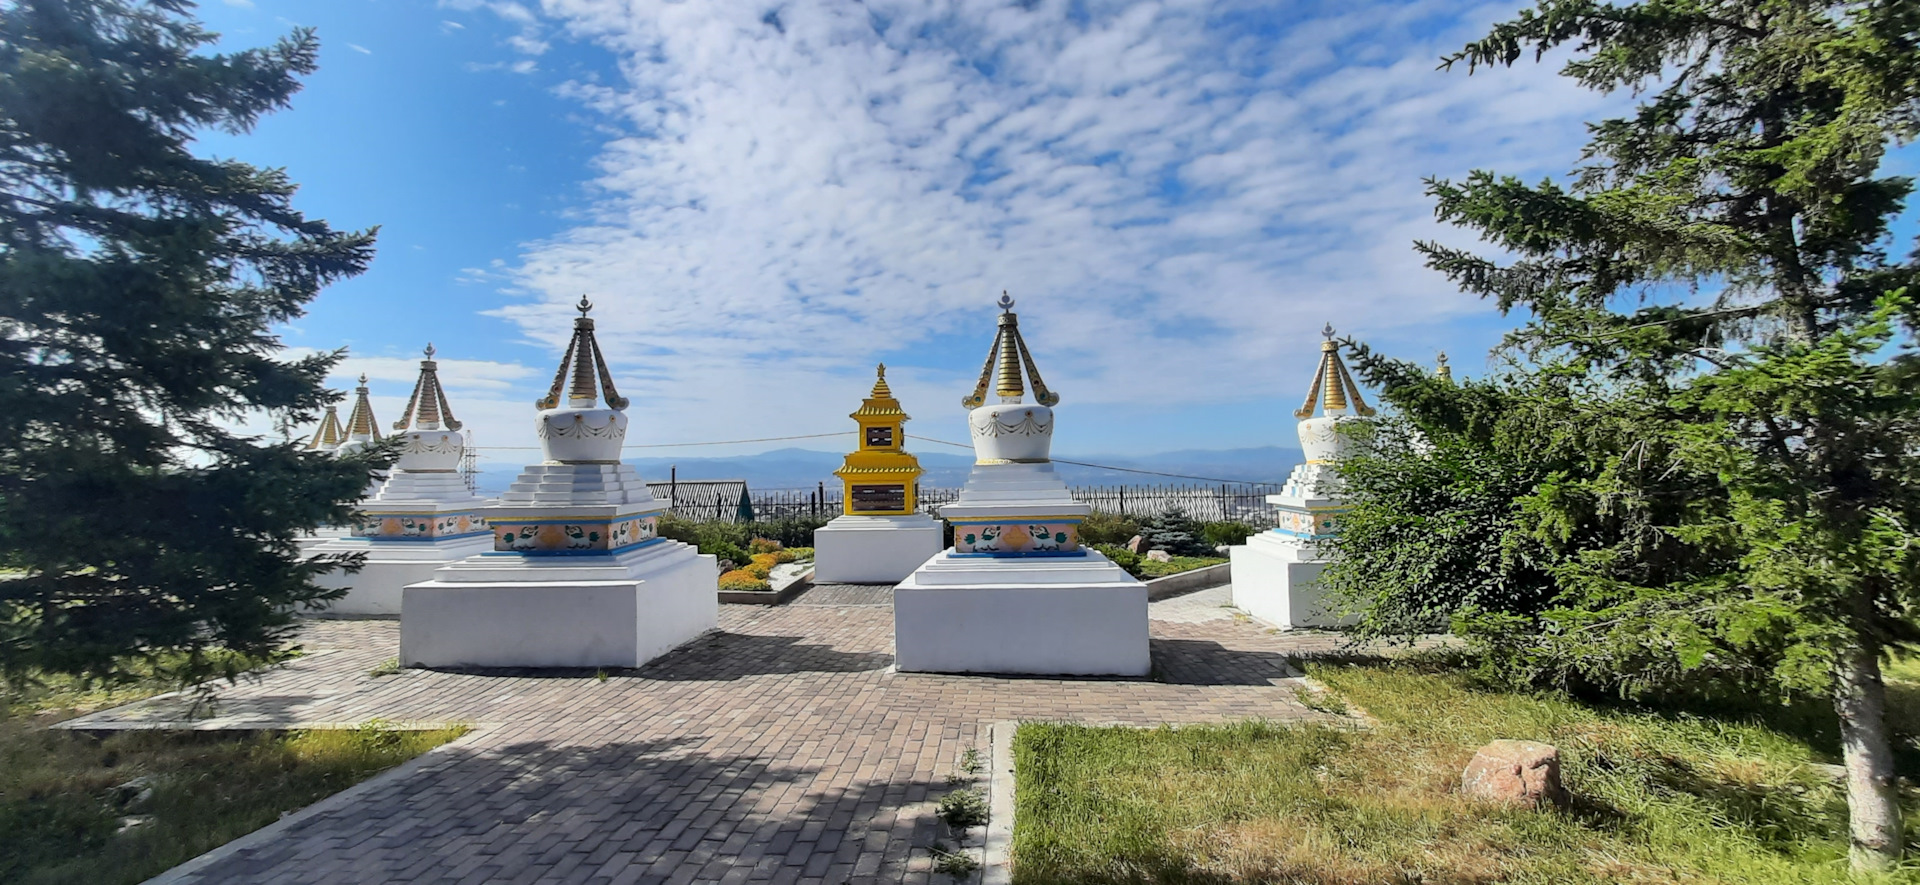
{"x":1333,"y":386}
{"x":880,"y":403}
{"x":1004,"y":362}
{"x":583,"y":354}
{"x":331,"y":434}
{"x":427,"y":408}
{"x":360,"y":421}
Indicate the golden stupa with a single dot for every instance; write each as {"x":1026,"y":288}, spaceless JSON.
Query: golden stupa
{"x":881,"y":478}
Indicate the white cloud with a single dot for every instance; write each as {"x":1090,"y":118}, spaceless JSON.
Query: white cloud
{"x":1178,"y":193}
{"x":360,"y":49}
{"x":243,"y":4}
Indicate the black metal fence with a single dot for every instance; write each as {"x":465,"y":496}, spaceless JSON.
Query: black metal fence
{"x":1244,"y":502}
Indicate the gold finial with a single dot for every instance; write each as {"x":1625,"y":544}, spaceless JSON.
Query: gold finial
{"x":1332,"y":384}
{"x":880,"y":388}
{"x":1444,"y":371}
{"x":330,"y":434}
{"x":881,"y":369}
{"x":360,"y":422}
{"x":583,"y":355}
{"x":427,"y":407}
{"x":1005,"y":359}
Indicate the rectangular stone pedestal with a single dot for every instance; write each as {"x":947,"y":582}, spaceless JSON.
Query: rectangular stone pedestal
{"x":1276,"y":580}
{"x":390,"y":567}
{"x":873,"y":549}
{"x":1067,"y":615}
{"x":505,"y":610}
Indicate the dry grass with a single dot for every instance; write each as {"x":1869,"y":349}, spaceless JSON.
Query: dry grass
{"x":1658,"y":797}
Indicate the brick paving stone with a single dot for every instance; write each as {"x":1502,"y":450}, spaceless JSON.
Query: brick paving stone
{"x":782,"y":747}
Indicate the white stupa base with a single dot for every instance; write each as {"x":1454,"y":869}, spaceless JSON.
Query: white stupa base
{"x":390,"y":567}
{"x":320,"y":536}
{"x":1276,"y":578}
{"x":1040,"y":615}
{"x":874,"y":549}
{"x":609,"y":610}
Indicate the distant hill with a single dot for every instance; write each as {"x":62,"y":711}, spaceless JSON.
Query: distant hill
{"x":804,"y":468}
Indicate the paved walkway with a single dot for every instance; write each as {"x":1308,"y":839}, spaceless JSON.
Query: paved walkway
{"x":782,"y":748}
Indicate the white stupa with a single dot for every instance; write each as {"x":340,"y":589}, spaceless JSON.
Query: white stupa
{"x":577,"y":575}
{"x":1276,"y":573}
{"x":422,"y":516}
{"x":1017,"y":593}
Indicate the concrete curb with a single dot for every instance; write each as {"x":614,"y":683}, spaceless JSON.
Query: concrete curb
{"x":1200,"y":578}
{"x":275,"y":830}
{"x":997,"y":866}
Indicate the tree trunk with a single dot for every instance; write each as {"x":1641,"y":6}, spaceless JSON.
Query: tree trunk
{"x":1873,"y":801}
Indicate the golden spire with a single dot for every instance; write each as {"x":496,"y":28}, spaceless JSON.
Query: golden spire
{"x":360,"y":421}
{"x":880,"y":403}
{"x":1009,"y":355}
{"x":331,"y":434}
{"x":1332,"y":385}
{"x":583,"y":354}
{"x":1444,"y":371}
{"x":432,"y":410}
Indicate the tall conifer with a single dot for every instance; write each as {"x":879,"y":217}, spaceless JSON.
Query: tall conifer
{"x":1720,"y":263}
{"x":139,"y":287}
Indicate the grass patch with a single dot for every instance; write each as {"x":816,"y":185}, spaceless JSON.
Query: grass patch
{"x":1659,"y":797}
{"x":62,"y":812}
{"x":65,"y":818}
{"x":1176,"y":565}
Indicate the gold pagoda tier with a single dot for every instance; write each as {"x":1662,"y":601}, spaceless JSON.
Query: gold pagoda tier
{"x":881,"y":478}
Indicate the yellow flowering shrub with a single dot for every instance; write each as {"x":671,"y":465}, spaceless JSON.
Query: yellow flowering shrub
{"x":742,"y":579}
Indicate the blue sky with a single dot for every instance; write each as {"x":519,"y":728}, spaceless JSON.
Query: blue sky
{"x":765,"y":199}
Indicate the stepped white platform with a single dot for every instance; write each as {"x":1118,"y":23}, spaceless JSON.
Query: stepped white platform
{"x":577,"y":575}
{"x":873,"y":549}
{"x":418,"y":521}
{"x":1075,"y":615}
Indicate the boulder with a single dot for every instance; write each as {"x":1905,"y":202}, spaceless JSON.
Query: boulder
{"x":1159,"y":556}
{"x":1519,"y":772}
{"x":1137,"y":545}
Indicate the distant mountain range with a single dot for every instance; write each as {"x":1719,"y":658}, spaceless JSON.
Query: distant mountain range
{"x":805,"y":468}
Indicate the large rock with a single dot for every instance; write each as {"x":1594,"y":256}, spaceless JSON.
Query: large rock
{"x":1520,"y":772}
{"x":1159,"y":556}
{"x":1137,"y":545}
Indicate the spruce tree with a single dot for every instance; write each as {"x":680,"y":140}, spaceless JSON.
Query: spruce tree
{"x":139,"y":288}
{"x":1720,"y":260}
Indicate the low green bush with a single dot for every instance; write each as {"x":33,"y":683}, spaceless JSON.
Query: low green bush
{"x":1102,"y":527}
{"x":1226,"y":533}
{"x":1121,"y":557}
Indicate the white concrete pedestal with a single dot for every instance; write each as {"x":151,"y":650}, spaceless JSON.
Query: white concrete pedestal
{"x":390,"y":567}
{"x":607,"y":610}
{"x":873,"y":549}
{"x":1077,"y":615}
{"x":1276,"y":579}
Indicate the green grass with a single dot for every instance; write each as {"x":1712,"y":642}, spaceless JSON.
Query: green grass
{"x":1178,"y":564}
{"x":60,"y":811}
{"x":1659,"y":797}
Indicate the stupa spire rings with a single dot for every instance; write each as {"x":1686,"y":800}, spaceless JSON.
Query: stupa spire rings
{"x":1333,"y":388}
{"x":330,"y":434}
{"x":360,"y":422}
{"x":588,"y":366}
{"x":427,"y":407}
{"x":1443,"y":370}
{"x":1005,"y":360}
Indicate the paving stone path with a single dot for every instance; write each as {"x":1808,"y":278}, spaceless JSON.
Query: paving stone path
{"x":782,"y":748}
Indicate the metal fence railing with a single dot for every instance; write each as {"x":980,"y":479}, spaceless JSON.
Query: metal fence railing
{"x":1243,"y":502}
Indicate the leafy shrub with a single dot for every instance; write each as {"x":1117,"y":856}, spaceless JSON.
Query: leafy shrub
{"x":799,"y":554}
{"x":759,"y":570}
{"x":784,"y":556}
{"x":1226,"y":533}
{"x":1121,"y":557}
{"x":742,"y":579}
{"x":764,"y":545}
{"x":726,"y":550}
{"x":787,"y":531}
{"x":1101,"y":527}
{"x":1177,"y":533}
